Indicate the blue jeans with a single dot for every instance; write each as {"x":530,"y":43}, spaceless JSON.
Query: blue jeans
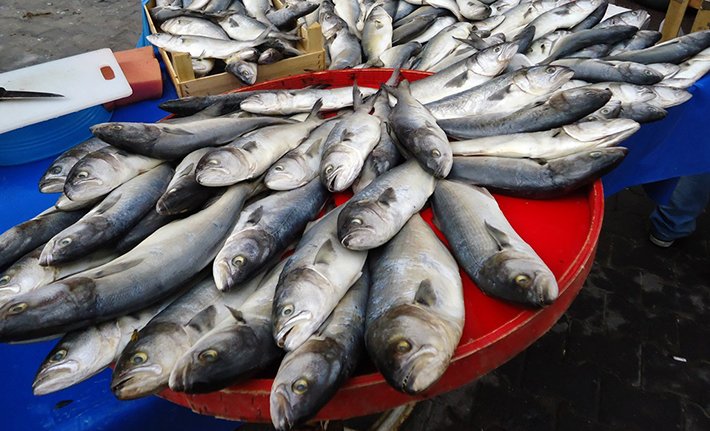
{"x":677,"y":219}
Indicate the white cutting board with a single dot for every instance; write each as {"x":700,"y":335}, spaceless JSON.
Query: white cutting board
{"x":78,"y":78}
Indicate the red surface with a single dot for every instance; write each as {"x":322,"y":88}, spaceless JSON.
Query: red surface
{"x":564,"y":232}
{"x":142,"y":71}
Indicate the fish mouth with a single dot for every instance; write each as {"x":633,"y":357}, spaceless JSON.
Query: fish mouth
{"x":414,"y":381}
{"x":350,"y":240}
{"x":131,"y":384}
{"x":331,"y":180}
{"x":282,"y":336}
{"x":52,"y":185}
{"x":281,"y":414}
{"x":222,"y":274}
{"x":46,"y":258}
{"x":9,"y":290}
{"x":55,"y":377}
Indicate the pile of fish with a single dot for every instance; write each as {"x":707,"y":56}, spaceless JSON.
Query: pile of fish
{"x":232,"y":36}
{"x":196,"y":251}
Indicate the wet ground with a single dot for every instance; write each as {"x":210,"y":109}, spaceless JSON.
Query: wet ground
{"x":632,"y":352}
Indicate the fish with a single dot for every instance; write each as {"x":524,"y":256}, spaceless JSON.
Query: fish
{"x":639,"y":18}
{"x":349,"y":12}
{"x":642,"y":112}
{"x":348,"y":145}
{"x":101,"y":171}
{"x":415,"y":313}
{"x":593,"y":18}
{"x":251,"y":155}
{"x":245,"y":28}
{"x":27,"y":236}
{"x":487,"y":247}
{"x":504,"y":94}
{"x":541,"y":48}
{"x":191,"y":26}
{"x":286,"y":17}
{"x":407,"y":29}
{"x":430,"y":31}
{"x":115,"y":215}
{"x":606,"y":112}
{"x":573,"y":42}
{"x":667,"y":70}
{"x":599,"y":50}
{"x":86,"y":352}
{"x":419,"y":132}
{"x":258,"y":9}
{"x":245,"y":71}
{"x":560,"y":109}
{"x":375,"y":214}
{"x":202,"y":66}
{"x":565,"y":16}
{"x":145,"y":227}
{"x":314,"y":280}
{"x":300,"y":165}
{"x":53,"y":179}
{"x":217,"y":7}
{"x":592,"y":70}
{"x":151,"y":271}
{"x":673,"y":51}
{"x":235,"y":348}
{"x":287,"y":102}
{"x":667,"y":97}
{"x":500,"y":7}
{"x":310,"y":375}
{"x":518,"y":17}
{"x":377,"y":33}
{"x":174,"y":141}
{"x":270,"y":56}
{"x":537,"y":178}
{"x":489,"y":24}
{"x":642,"y":39}
{"x":191,"y":105}
{"x":144,"y":365}
{"x":691,"y":70}
{"x":462,"y":76}
{"x":443,"y":44}
{"x":264,"y":230}
{"x":549,"y":144}
{"x":203,"y":47}
{"x":184,"y":193}
{"x":473,"y":10}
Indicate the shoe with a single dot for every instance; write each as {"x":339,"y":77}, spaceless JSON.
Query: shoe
{"x":660,"y":242}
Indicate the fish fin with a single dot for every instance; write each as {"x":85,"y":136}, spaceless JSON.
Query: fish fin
{"x":500,"y":94}
{"x":264,"y":35}
{"x":387,"y":196}
{"x":315,"y":148}
{"x":357,"y":96}
{"x":478,"y":43}
{"x":185,"y":171}
{"x":115,"y":268}
{"x":107,"y":204}
{"x":457,"y":81}
{"x":176,"y":131}
{"x":315,"y":110}
{"x":394,"y":77}
{"x":255,"y":216}
{"x":238,"y":316}
{"x":134,"y":336}
{"x":325,"y":254}
{"x":250,"y":146}
{"x":501,"y":238}
{"x":425,"y":293}
{"x":203,"y":320}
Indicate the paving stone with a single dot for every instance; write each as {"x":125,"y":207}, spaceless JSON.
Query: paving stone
{"x":694,"y":340}
{"x":696,"y":419}
{"x":568,"y":419}
{"x":661,"y":330}
{"x":622,"y":405}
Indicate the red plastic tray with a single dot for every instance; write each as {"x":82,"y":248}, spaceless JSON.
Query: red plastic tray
{"x":564,"y":232}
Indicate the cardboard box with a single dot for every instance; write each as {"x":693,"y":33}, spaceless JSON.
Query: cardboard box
{"x":179,"y":65}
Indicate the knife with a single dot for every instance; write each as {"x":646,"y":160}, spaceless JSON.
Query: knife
{"x":14,"y":94}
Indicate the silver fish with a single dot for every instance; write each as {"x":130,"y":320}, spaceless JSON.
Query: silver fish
{"x":349,"y":11}
{"x":115,"y":215}
{"x":397,"y":56}
{"x":54,"y":177}
{"x":310,"y":375}
{"x":473,"y":10}
{"x":673,"y":51}
{"x":375,"y":214}
{"x":150,"y":223}
{"x":245,"y":71}
{"x":642,"y":39}
{"x":286,"y":18}
{"x":286,"y":102}
{"x":314,"y":280}
{"x":344,"y":50}
{"x":496,"y":258}
{"x":592,"y":70}
{"x":639,"y":18}
{"x":202,"y":66}
{"x":183,"y":193}
{"x":443,"y":44}
{"x":565,"y":16}
{"x":415,"y":313}
{"x":203,"y":47}
{"x":264,"y":230}
{"x":667,"y":97}
{"x":244,"y":28}
{"x":377,"y":33}
{"x":191,"y":26}
{"x":642,"y":112}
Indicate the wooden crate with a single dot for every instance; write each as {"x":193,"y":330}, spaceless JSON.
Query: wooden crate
{"x":179,"y":65}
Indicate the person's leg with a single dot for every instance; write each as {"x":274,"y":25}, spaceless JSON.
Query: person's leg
{"x":677,"y":219}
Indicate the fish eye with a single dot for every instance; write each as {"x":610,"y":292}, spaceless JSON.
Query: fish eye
{"x":523,"y":280}
{"x":287,"y":310}
{"x":238,"y":260}
{"x":138,"y":358}
{"x":278,"y":168}
{"x":59,"y":355}
{"x":356,"y":221}
{"x":550,"y":69}
{"x":171,"y":191}
{"x":328,"y":169}
{"x":496,"y":49}
{"x":647,"y":72}
{"x":56,"y":170}
{"x":65,"y":242}
{"x":82,"y":174}
{"x":435,"y":153}
{"x":403,"y":346}
{"x":595,"y":154}
{"x":4,"y":279}
{"x":213,"y":162}
{"x":209,"y":355}
{"x":605,"y":111}
{"x":17,"y":308}
{"x":300,"y":386}
{"x":116,"y":127}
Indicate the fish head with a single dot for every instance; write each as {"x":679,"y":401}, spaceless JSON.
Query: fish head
{"x":301,"y":304}
{"x":92,"y":177}
{"x":262,"y":103}
{"x":182,"y":196}
{"x":340,"y":167}
{"x":222,"y":167}
{"x":53,"y":179}
{"x":610,"y":110}
{"x":75,"y":358}
{"x":145,"y":363}
{"x":20,"y":278}
{"x":607,"y":132}
{"x":540,"y":80}
{"x":633,"y":93}
{"x":592,"y":98}
{"x":519,"y":277}
{"x":411,"y":346}
{"x":474,"y":10}
{"x":638,"y":18}
{"x":67,"y":244}
{"x":665,"y":69}
{"x":650,"y":112}
{"x":244,"y":70}
{"x":242,"y":256}
{"x":641,"y":74}
{"x":130,"y":135}
{"x":362,"y":223}
{"x":223,"y":355}
{"x":286,"y":174}
{"x":433,"y":150}
{"x":669,"y":96}
{"x":600,"y":160}
{"x":491,"y":61}
{"x":305,"y":382}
